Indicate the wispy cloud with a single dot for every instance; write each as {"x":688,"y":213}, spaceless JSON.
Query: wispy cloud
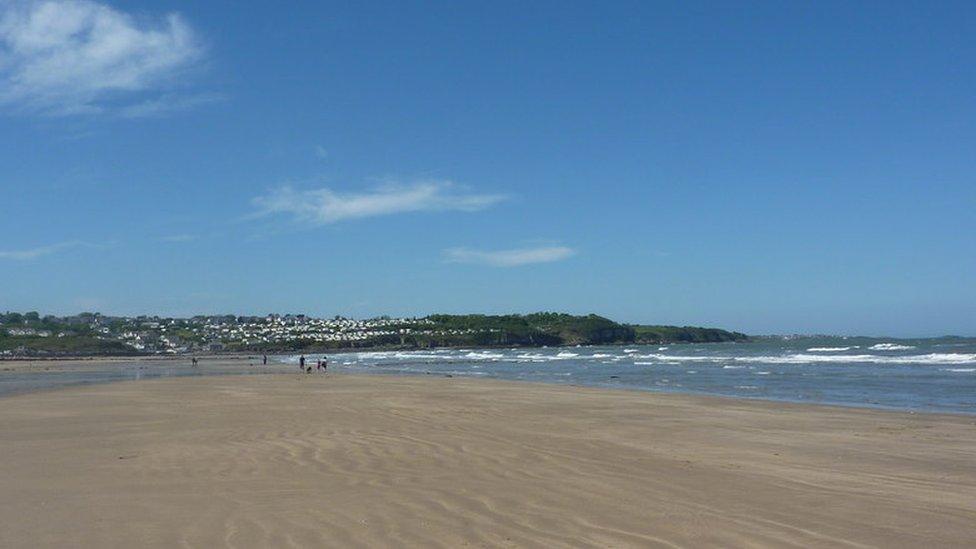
{"x":168,"y":104}
{"x":41,"y":251}
{"x":321,"y":152}
{"x":63,"y":57}
{"x":323,"y":206}
{"x":509,"y":258}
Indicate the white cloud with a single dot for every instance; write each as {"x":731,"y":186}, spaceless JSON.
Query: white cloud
{"x":323,"y":206}
{"x":41,"y":251}
{"x":167,"y":104}
{"x":77,"y":56}
{"x":321,"y":152}
{"x":509,"y":258}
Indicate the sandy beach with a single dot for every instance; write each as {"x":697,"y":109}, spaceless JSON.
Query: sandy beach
{"x":374,"y":461}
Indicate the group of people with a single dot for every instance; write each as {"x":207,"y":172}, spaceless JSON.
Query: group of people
{"x":321,"y":365}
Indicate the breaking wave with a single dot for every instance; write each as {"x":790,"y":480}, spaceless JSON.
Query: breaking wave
{"x":927,"y":374}
{"x":891,"y":347}
{"x":931,"y":358}
{"x":829,"y":349}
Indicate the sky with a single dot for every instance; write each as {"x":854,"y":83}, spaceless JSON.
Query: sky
{"x":768,"y":167}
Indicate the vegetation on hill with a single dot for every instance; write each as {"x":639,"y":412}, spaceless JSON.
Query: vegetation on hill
{"x":684,"y":334}
{"x":95,"y":334}
{"x":532,"y":330}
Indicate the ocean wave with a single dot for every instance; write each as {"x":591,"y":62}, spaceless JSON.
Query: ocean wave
{"x":539,"y":357}
{"x":812,"y":355}
{"x":483,"y":355}
{"x":804,"y":358}
{"x":931,"y":358}
{"x":682,"y":358}
{"x":959,"y":370}
{"x":829,"y":349}
{"x":891,"y":347}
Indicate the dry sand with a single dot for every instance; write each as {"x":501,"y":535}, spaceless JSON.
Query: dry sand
{"x":346,"y":461}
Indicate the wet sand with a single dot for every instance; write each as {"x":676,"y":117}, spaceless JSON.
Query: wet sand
{"x":374,"y":461}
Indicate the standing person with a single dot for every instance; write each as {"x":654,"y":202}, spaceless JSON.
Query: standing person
{"x":301,"y":363}
{"x":264,"y":358}
{"x":318,"y":364}
{"x":325,"y":363}
{"x":194,"y":362}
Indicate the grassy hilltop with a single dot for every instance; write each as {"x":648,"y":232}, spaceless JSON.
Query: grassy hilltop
{"x":562,"y":329}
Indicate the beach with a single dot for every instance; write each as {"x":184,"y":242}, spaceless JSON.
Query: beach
{"x":432,"y":461}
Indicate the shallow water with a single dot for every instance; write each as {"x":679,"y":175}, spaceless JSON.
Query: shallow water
{"x":931,"y":375}
{"x":927,"y":375}
{"x":51,"y":375}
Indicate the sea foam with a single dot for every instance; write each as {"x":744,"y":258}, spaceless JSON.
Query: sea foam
{"x":799,"y":358}
{"x":829,"y":349}
{"x":891,"y":347}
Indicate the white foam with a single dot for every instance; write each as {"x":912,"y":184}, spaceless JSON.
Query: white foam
{"x":891,"y":347}
{"x":959,"y":370}
{"x":483,"y":355}
{"x":813,"y":355}
{"x":829,"y":349}
{"x":800,"y":358}
{"x":657,"y":356}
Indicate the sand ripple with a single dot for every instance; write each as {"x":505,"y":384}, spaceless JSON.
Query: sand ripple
{"x":345,"y":461}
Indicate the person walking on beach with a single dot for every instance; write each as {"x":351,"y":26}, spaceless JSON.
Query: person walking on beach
{"x":264,"y":359}
{"x":301,"y":363}
{"x":194,"y":361}
{"x":325,"y":364}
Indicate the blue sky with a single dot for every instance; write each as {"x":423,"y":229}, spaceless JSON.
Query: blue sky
{"x":767,"y":167}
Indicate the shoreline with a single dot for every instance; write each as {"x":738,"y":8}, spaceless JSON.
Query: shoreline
{"x":381,"y":460}
{"x":717,"y":398}
{"x":343,"y":350}
{"x":283,"y":369}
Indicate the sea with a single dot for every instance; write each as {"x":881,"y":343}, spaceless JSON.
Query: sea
{"x":937,"y":375}
{"x":928,"y":375}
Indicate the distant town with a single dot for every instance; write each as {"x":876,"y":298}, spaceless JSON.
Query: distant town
{"x":33,"y":334}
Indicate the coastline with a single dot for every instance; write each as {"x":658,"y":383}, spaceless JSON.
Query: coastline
{"x":230,"y":355}
{"x":432,"y":461}
{"x":150,"y":367}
